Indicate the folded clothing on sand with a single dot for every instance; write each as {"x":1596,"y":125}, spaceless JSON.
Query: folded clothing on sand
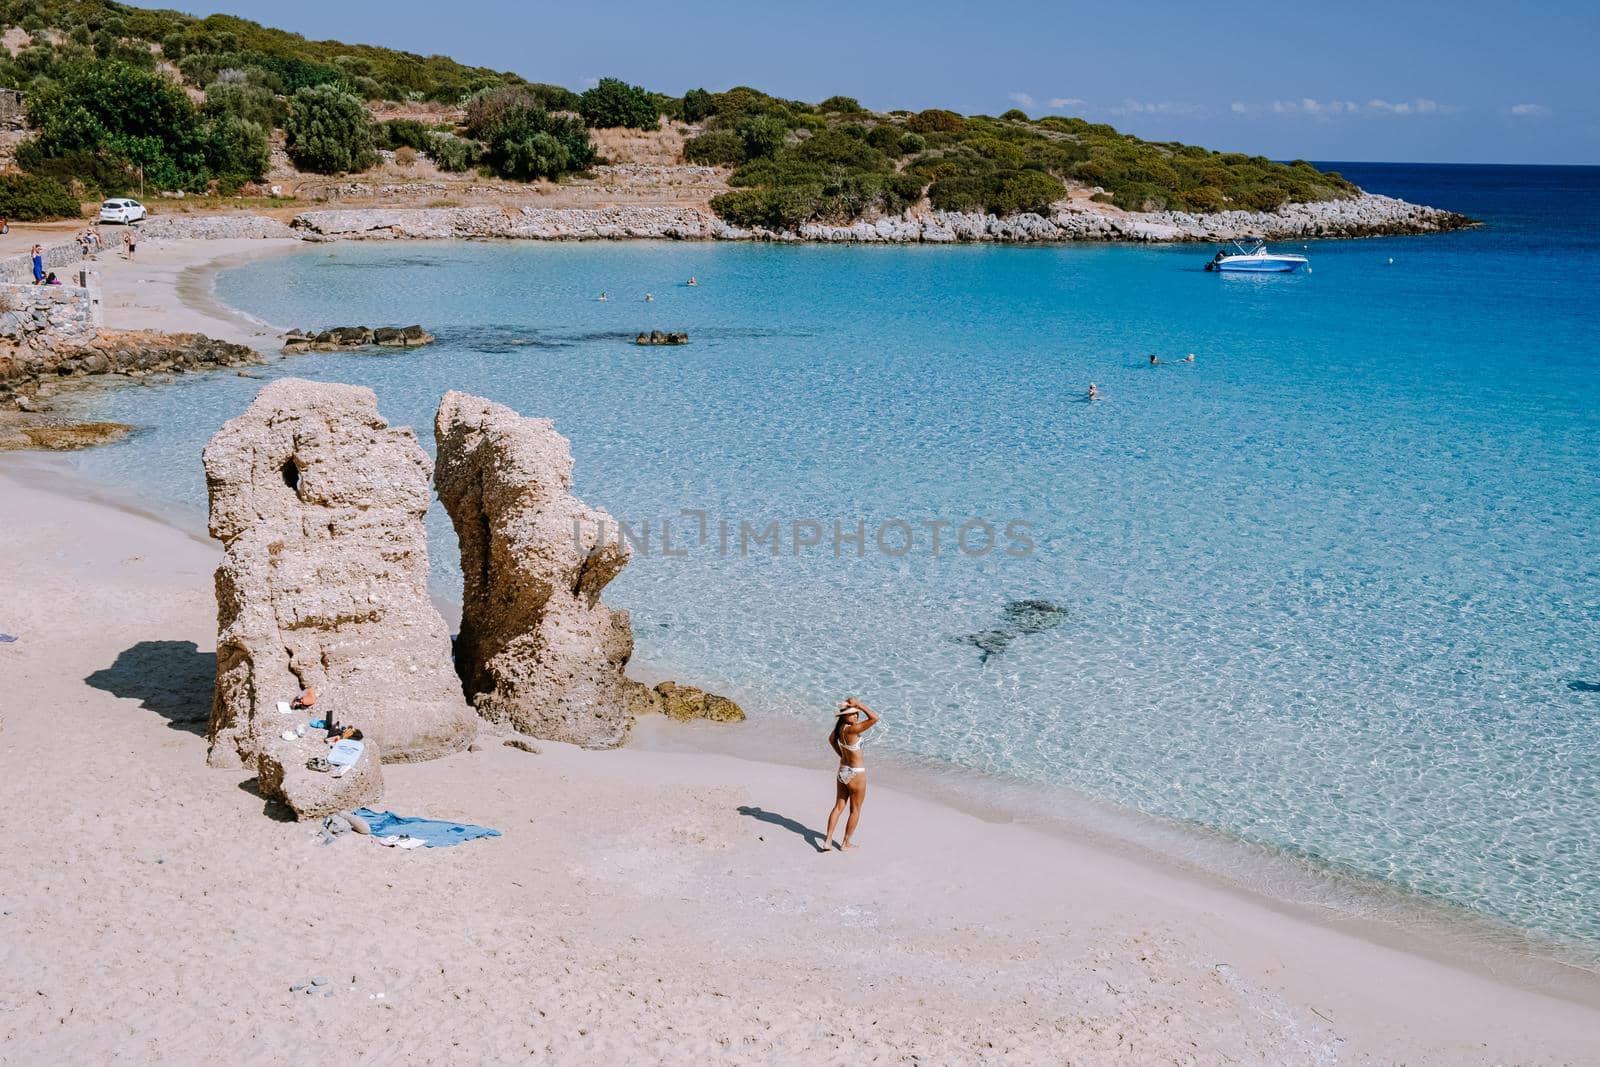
{"x":434,"y":833}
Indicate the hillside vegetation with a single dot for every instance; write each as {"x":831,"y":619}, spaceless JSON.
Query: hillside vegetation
{"x":115,"y":92}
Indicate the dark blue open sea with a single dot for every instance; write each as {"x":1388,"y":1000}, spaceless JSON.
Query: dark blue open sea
{"x":1332,"y":589}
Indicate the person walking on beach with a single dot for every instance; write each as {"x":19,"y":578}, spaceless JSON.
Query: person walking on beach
{"x":850,"y":721}
{"x":130,"y":241}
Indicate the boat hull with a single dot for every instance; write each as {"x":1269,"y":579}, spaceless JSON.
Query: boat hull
{"x":1260,"y":266}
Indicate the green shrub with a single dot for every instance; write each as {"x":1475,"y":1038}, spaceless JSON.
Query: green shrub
{"x":555,"y":97}
{"x":961,"y":193}
{"x":1026,"y":191}
{"x":35,"y":198}
{"x":1204,"y":199}
{"x":842,"y":105}
{"x":237,"y":148}
{"x":912,"y":143}
{"x":329,"y":131}
{"x":937,"y":120}
{"x":526,"y":142}
{"x":99,"y":174}
{"x":885,"y":138}
{"x":402,"y":133}
{"x":125,"y":112}
{"x":775,"y":207}
{"x":697,"y":105}
{"x":762,"y":135}
{"x":253,"y":103}
{"x":715,"y":148}
{"x":614,"y":102}
{"x":450,"y":153}
{"x":1015,"y":115}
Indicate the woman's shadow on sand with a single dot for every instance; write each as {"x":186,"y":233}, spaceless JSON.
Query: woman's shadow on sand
{"x":171,"y":678}
{"x":813,"y":837}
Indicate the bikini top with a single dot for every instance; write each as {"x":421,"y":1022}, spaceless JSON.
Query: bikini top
{"x":850,"y":748}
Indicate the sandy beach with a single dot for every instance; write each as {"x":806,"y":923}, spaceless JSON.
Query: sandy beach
{"x":658,"y":903}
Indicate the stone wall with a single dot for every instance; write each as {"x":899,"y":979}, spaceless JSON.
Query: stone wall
{"x":213,"y":227}
{"x":61,"y":258}
{"x":46,"y":316}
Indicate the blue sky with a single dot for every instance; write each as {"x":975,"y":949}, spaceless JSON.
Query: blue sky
{"x":1463,"y":81}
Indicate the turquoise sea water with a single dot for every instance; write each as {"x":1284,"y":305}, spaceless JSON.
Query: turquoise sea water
{"x":1333,"y":588}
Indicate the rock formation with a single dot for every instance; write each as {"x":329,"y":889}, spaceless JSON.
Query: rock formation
{"x":282,"y":773}
{"x":656,"y":337}
{"x":340,"y":338}
{"x":319,"y":504}
{"x":53,"y":359}
{"x":538,"y":649}
{"x":1363,"y":215}
{"x":682,"y":703}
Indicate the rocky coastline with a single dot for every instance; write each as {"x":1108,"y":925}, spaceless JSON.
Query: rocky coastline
{"x":1366,"y":215}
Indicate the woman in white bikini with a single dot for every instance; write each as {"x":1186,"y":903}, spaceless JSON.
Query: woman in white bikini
{"x":851,"y":720}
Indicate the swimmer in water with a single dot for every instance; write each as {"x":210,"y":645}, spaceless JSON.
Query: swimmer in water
{"x":1094,"y":394}
{"x":1153,"y":360}
{"x":1189,"y":358}
{"x":602,"y":296}
{"x":649,"y":296}
{"x":693,"y":280}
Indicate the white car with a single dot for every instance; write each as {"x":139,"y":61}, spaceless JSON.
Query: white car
{"x":122,"y":210}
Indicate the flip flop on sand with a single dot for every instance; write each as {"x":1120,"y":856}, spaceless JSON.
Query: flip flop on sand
{"x":318,"y":763}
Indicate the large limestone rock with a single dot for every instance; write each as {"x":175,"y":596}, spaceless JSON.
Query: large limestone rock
{"x":319,"y":504}
{"x":282,"y":773}
{"x":538,"y":649}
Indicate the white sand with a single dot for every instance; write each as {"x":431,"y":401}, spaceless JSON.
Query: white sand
{"x":633,"y":911}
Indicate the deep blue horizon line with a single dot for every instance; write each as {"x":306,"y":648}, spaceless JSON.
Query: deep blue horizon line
{"x":1321,"y":163}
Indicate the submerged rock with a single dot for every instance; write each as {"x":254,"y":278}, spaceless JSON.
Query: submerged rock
{"x":656,"y":337}
{"x":538,"y":650}
{"x":401,"y":336}
{"x":56,"y":436}
{"x":1019,"y":618}
{"x":319,"y":504}
{"x":682,"y":703}
{"x":342,"y":338}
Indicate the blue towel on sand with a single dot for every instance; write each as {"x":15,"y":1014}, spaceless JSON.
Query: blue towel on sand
{"x":436,"y":833}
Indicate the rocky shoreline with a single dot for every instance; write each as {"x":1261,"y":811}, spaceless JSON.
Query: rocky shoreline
{"x":1367,"y":215}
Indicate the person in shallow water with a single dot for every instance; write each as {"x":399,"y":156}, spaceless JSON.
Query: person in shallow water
{"x":1094,"y":394}
{"x":850,"y":721}
{"x":602,"y":296}
{"x":1153,"y":360}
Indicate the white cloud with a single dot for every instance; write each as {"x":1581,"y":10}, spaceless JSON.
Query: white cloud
{"x":1020,"y":99}
{"x":1528,"y":111}
{"x":1324,"y":110}
{"x":1058,"y":103}
{"x":1422,"y":106}
{"x":1163,"y":107}
{"x":1307,"y":106}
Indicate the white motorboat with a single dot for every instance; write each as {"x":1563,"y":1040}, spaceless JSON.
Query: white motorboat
{"x":1251,"y":257}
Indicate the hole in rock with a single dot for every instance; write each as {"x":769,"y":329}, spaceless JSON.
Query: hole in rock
{"x":291,"y":475}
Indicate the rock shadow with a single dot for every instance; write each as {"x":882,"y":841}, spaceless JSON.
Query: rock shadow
{"x":271,"y":807}
{"x":174,"y":679}
{"x":772,"y":818}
